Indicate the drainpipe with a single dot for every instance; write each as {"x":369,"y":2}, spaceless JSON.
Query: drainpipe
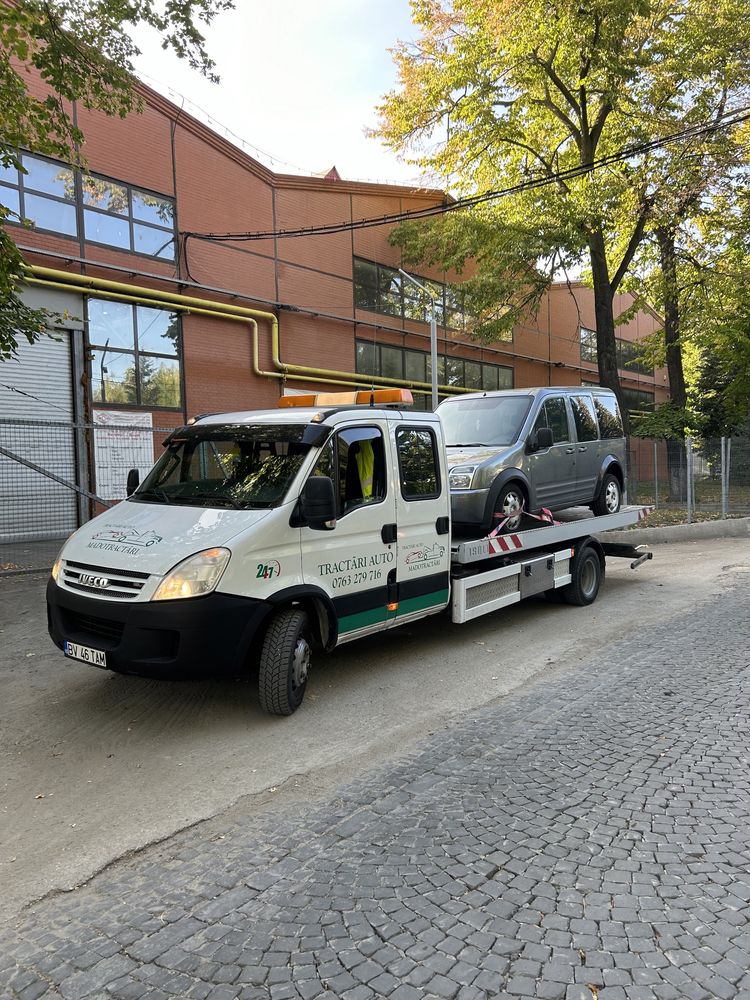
{"x":187,"y":303}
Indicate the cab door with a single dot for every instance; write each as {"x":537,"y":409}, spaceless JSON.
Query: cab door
{"x":351,"y":563}
{"x":552,"y":471}
{"x":422,"y":516}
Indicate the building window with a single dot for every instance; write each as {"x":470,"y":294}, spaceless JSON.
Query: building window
{"x":416,"y":366}
{"x":114,"y":214}
{"x":118,"y":215}
{"x":635,"y":400}
{"x":44,"y":195}
{"x":628,"y":353}
{"x":135,"y":355}
{"x":381,"y":289}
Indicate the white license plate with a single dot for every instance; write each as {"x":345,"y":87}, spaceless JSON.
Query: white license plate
{"x":95,"y":656}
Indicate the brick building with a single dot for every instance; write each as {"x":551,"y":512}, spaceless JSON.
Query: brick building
{"x":154,"y":322}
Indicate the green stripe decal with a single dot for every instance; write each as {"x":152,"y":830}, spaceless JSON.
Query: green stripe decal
{"x":376,"y":616}
{"x":423,"y":602}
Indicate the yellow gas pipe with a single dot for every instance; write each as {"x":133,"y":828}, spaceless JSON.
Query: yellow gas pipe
{"x":122,"y":291}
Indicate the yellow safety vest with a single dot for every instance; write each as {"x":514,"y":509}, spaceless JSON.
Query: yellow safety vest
{"x":365,"y":467}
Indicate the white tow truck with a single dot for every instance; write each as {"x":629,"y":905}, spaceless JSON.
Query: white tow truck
{"x":261,"y":535}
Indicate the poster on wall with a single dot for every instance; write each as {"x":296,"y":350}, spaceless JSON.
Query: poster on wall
{"x":122,"y":441}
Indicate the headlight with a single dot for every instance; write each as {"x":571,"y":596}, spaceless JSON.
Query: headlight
{"x":460,"y":478}
{"x":56,"y":568}
{"x":193,"y":577}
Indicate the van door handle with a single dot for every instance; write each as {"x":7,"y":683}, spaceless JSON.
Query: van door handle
{"x":389,"y":533}
{"x":570,"y":451}
{"x":583,"y":449}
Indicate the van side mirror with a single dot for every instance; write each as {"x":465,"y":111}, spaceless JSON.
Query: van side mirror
{"x":133,"y":482}
{"x":544,"y":437}
{"x":318,"y":503}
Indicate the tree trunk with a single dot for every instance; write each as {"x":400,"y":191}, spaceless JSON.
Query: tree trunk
{"x":606,"y":344}
{"x":666,"y":239}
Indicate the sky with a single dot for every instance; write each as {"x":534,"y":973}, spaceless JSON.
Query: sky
{"x":300,"y":81}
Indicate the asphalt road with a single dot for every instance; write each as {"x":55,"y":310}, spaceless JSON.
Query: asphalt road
{"x":94,"y":766}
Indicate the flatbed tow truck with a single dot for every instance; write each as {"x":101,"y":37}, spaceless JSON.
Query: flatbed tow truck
{"x":259,"y":536}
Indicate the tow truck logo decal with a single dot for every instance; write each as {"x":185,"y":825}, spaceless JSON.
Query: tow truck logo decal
{"x":426,"y":556}
{"x":123,"y":538}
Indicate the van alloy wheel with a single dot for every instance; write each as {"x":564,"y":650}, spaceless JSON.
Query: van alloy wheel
{"x":511,"y":507}
{"x":610,"y":496}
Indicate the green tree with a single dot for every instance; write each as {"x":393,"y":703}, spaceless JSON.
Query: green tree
{"x":84,"y":52}
{"x":494,"y":94}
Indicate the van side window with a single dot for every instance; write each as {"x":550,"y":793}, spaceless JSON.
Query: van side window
{"x":417,"y":463}
{"x":554,"y":415}
{"x":355,"y":461}
{"x":585,"y":418}
{"x":610,"y":421}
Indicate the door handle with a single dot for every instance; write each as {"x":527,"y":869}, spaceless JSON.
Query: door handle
{"x":570,"y":451}
{"x":442,"y":525}
{"x":389,"y":533}
{"x":583,"y":449}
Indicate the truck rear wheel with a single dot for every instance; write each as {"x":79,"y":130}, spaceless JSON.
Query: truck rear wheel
{"x":284,"y":662}
{"x":586,"y":571}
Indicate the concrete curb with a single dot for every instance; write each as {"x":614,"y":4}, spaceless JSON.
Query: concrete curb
{"x":735,"y":527}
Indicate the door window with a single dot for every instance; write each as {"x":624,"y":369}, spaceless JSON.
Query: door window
{"x":585,"y":418}
{"x":418,"y":463}
{"x":554,"y":415}
{"x":355,"y":460}
{"x":610,"y":421}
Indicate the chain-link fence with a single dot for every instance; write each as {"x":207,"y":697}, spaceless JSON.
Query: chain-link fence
{"x":703,"y":478}
{"x":56,"y":475}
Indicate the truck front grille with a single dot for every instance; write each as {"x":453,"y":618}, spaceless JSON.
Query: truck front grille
{"x":121,"y":584}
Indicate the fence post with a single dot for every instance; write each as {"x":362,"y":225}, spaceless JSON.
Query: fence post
{"x":656,"y":474}
{"x":723,"y":476}
{"x":689,"y":469}
{"x":729,"y":468}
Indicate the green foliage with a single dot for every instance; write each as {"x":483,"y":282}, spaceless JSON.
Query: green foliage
{"x":493,"y":94}
{"x":83,"y":51}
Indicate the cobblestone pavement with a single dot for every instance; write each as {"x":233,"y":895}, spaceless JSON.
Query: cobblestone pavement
{"x":587,"y":838}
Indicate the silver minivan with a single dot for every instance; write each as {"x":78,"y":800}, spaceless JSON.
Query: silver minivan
{"x":525,"y":449}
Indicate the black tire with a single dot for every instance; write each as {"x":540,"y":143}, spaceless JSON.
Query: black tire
{"x":284,"y":662}
{"x":610,"y":496}
{"x":586,"y":571}
{"x":510,"y":498}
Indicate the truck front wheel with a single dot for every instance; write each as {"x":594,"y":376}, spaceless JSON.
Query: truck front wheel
{"x":284,"y":662}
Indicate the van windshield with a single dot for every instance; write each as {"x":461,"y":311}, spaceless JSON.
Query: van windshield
{"x":483,"y":420}
{"x":250,"y":466}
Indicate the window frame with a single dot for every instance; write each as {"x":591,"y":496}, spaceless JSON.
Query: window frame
{"x":80,"y":208}
{"x":136,"y":353}
{"x":335,"y":442}
{"x":405,"y":428}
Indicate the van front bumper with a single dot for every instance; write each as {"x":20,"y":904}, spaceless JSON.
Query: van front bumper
{"x":201,"y":636}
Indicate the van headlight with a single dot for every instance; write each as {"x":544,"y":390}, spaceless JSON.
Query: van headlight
{"x":460,"y":478}
{"x":193,"y":577}
{"x":56,"y":568}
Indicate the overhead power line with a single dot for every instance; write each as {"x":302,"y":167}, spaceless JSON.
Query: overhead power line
{"x":732,"y":117}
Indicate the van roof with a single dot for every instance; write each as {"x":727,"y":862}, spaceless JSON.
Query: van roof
{"x":536,"y":390}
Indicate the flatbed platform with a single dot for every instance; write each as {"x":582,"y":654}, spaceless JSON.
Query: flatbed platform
{"x":574,"y":523}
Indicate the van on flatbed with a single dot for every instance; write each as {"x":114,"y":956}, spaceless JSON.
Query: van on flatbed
{"x":263,"y":535}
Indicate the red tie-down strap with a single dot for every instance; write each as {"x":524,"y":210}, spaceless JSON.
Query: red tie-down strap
{"x":544,"y":515}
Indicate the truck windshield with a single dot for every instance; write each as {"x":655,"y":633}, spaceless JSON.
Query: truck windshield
{"x":483,"y":420}
{"x":241,"y":467}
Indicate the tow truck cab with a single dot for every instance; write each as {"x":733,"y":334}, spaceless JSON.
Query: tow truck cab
{"x":286,"y":527}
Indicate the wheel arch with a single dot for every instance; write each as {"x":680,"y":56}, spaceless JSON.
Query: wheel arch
{"x":506,"y":477}
{"x":319,"y":607}
{"x":611,"y":465}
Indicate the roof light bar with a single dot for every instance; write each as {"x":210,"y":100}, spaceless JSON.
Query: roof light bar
{"x":365,"y":397}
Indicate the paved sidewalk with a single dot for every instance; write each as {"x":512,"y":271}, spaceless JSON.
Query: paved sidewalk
{"x":587,"y":838}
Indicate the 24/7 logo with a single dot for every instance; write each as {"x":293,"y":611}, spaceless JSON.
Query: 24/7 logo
{"x":268,"y":571}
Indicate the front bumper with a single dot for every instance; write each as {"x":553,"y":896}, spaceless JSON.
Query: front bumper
{"x":469,"y":506}
{"x":198,"y":637}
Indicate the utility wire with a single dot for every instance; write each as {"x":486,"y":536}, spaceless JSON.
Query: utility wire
{"x":732,"y":117}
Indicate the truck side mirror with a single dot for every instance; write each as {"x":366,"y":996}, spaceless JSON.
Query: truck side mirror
{"x":543,"y":438}
{"x":133,"y":482}
{"x":318,"y":503}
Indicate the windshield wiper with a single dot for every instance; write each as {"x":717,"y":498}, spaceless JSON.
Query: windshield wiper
{"x":220,"y":498}
{"x":154,"y":492}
